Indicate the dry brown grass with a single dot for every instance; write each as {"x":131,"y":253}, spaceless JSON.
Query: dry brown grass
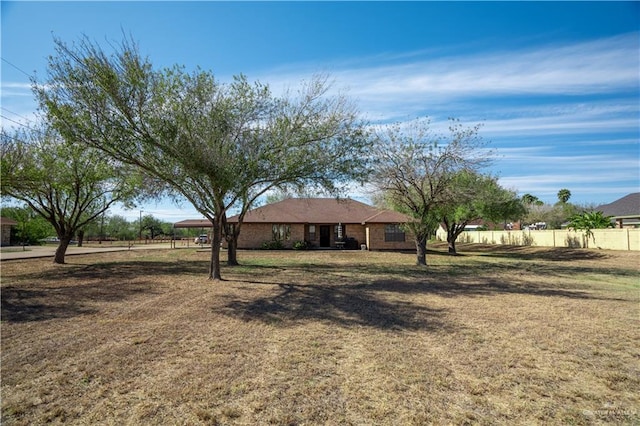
{"x":497,"y":336}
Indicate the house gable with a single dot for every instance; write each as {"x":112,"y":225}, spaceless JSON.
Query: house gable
{"x":627,"y":206}
{"x":625,"y":211}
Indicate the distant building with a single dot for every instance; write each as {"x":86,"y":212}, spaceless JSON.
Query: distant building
{"x":6,"y":224}
{"x":625,"y":211}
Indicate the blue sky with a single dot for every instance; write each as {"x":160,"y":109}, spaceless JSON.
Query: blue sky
{"x":556,"y":85}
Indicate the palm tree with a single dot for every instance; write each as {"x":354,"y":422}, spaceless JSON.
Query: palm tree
{"x":529,"y":199}
{"x":564,"y":195}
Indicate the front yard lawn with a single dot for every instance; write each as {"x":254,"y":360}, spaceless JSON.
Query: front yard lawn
{"x":500,"y":335}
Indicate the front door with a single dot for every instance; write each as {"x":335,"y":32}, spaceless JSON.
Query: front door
{"x":325,"y":236}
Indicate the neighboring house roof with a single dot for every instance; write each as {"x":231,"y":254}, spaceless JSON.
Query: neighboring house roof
{"x":193,"y":223}
{"x":627,"y":206}
{"x":7,"y":221}
{"x":320,"y":210}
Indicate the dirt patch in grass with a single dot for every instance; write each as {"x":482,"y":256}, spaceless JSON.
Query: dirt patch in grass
{"x":494,"y":336}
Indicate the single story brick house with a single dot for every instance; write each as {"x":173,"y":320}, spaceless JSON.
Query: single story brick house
{"x":325,"y":223}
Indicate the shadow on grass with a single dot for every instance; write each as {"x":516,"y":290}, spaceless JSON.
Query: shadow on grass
{"x":470,"y":267}
{"x":363,"y":294}
{"x":79,"y":289}
{"x":25,"y":305}
{"x":556,"y":254}
{"x":130,"y":269}
{"x":339,"y":305}
{"x":369,"y":303}
{"x":347,"y":294}
{"x":476,"y":287}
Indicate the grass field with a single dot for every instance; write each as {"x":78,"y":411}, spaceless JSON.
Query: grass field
{"x":499,"y":335}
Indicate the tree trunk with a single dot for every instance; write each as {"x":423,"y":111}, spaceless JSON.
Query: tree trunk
{"x":232,"y":251}
{"x":216,"y":239}
{"x":231,"y":234}
{"x":453,"y":232}
{"x":61,"y":250}
{"x":452,"y":246}
{"x":421,"y":251}
{"x":80,"y":237}
{"x":451,"y":240}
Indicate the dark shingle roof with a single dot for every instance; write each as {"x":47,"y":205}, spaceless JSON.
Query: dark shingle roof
{"x":628,"y":205}
{"x":320,"y":210}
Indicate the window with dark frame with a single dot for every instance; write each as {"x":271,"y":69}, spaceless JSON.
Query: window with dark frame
{"x":394,"y":233}
{"x":281,"y":232}
{"x":312,"y":232}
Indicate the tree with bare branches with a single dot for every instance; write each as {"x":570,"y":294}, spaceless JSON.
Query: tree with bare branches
{"x":415,"y":168}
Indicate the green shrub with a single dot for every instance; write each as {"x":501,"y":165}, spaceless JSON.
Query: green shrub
{"x":301,"y":245}
{"x":272,"y":245}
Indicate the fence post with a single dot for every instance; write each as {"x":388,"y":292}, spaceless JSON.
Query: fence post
{"x":628,"y":240}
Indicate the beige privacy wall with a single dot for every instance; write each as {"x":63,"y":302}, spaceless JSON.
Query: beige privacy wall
{"x":611,"y":239}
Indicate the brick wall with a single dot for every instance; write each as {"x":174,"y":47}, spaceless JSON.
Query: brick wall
{"x":377,"y":242}
{"x":253,"y":235}
{"x":6,"y":235}
{"x":297,"y":234}
{"x":356,"y":231}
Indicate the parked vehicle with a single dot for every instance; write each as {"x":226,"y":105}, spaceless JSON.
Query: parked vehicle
{"x":202,"y":239}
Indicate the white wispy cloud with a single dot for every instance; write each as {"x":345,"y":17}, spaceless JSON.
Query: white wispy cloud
{"x":15,"y":89}
{"x":386,"y":90}
{"x":16,"y":85}
{"x":564,"y":119}
{"x":600,"y":66}
{"x":572,"y":167}
{"x":612,"y":141}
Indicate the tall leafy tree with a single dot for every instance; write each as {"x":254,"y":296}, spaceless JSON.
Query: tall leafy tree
{"x":152,"y":226}
{"x":217,"y":145}
{"x":473,"y":196}
{"x":119,"y":227}
{"x":63,"y":181}
{"x":308,"y":142}
{"x":553,"y":215}
{"x":415,"y":169}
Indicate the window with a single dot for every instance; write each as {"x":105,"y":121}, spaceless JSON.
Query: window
{"x":312,"y":232}
{"x":393,"y":233}
{"x":339,"y":231}
{"x":281,"y":232}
